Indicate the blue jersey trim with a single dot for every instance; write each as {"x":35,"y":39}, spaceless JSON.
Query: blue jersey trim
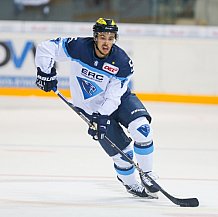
{"x":64,"y":47}
{"x":92,"y":68}
{"x":122,"y":79}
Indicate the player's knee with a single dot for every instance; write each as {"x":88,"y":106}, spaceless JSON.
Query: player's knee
{"x":141,"y":131}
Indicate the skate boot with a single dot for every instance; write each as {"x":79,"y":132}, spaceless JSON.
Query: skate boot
{"x":137,"y":190}
{"x":147,"y":184}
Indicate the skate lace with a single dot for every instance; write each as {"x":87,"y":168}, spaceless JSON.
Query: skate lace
{"x":136,"y":187}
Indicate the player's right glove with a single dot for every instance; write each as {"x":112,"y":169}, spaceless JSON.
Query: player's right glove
{"x":45,"y":81}
{"x":100,"y":124}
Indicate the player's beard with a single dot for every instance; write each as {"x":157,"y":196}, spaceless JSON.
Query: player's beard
{"x":104,"y":50}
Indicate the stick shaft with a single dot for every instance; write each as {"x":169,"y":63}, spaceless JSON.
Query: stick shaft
{"x":189,"y":202}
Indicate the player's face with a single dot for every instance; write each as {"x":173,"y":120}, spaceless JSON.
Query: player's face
{"x":105,"y":41}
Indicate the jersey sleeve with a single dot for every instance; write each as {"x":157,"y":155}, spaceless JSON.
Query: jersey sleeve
{"x":117,"y":86}
{"x":50,"y":51}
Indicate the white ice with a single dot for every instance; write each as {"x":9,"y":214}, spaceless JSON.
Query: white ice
{"x":50,"y":167}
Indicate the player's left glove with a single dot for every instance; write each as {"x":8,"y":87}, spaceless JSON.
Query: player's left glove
{"x":100,"y":125}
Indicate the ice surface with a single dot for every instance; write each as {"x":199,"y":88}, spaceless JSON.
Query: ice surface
{"x":50,"y":167}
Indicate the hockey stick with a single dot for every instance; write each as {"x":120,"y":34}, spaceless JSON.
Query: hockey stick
{"x":186,"y":202}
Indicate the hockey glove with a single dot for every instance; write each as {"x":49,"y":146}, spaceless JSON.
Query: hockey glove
{"x":100,"y":124}
{"x":45,"y":81}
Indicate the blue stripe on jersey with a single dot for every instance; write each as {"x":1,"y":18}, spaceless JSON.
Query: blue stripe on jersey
{"x":124,"y":172}
{"x":143,"y":150}
{"x":64,"y":47}
{"x":84,"y":64}
{"x":93,"y":69}
{"x":123,"y":80}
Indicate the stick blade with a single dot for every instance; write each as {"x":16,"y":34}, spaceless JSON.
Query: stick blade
{"x":190,"y":202}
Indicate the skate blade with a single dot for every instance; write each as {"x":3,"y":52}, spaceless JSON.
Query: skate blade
{"x":149,"y":197}
{"x":152,"y":195}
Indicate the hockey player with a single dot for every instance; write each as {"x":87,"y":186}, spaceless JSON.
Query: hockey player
{"x":99,"y":80}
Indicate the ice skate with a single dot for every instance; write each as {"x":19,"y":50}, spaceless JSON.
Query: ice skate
{"x":148,"y":185}
{"x":137,"y":190}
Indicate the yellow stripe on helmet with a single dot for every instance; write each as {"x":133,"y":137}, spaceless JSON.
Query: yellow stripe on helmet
{"x":113,"y":23}
{"x":101,"y":21}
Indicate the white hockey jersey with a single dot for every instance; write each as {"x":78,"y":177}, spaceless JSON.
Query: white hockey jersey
{"x":96,"y":84}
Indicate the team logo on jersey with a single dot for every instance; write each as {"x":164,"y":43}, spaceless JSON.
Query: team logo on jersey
{"x":96,"y":63}
{"x":89,"y":89}
{"x":92,"y":75}
{"x":110,"y":68}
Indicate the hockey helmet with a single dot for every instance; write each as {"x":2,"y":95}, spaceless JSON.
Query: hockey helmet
{"x":105,"y":25}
